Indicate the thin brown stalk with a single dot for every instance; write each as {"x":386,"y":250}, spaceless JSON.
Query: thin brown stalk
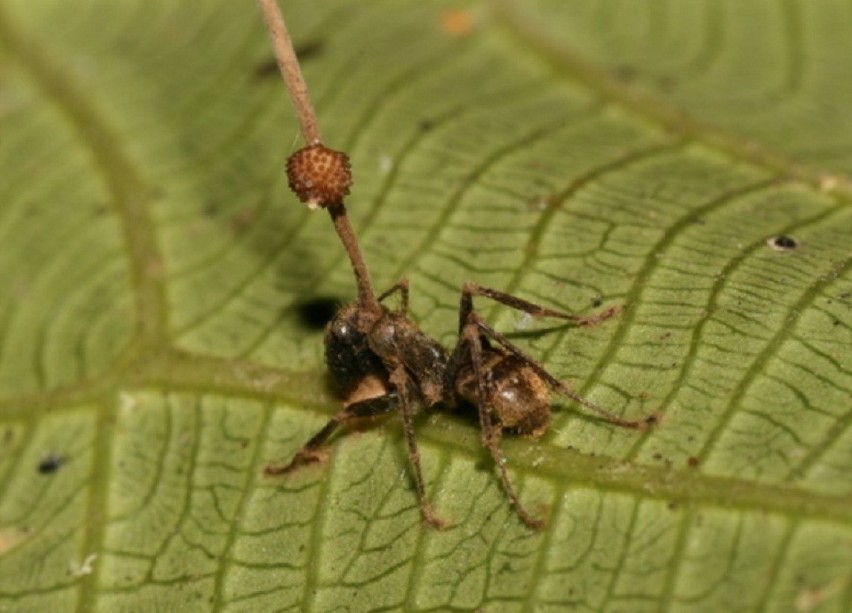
{"x":290,"y":69}
{"x":366,"y":296}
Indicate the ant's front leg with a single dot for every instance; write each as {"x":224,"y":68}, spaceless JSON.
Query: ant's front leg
{"x":312,"y":451}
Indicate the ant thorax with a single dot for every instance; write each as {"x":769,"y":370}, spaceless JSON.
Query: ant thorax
{"x":367,"y":344}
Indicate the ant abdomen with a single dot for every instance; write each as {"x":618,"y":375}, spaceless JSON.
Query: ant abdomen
{"x":518,"y":398}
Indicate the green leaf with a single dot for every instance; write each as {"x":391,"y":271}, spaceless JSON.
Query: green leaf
{"x":159,"y":346}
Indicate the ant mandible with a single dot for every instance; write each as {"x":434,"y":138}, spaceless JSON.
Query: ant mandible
{"x":378,"y":358}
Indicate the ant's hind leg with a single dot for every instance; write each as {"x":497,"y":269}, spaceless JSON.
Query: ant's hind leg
{"x":473,"y":289}
{"x":492,"y":432}
{"x":400,"y":286}
{"x":312,"y":451}
{"x":556,"y":384}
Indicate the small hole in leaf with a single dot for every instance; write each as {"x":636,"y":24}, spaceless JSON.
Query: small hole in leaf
{"x":783,"y":243}
{"x":50,"y":463}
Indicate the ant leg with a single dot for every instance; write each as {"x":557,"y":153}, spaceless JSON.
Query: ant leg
{"x":492,"y":432}
{"x":555,"y":383}
{"x":312,"y":450}
{"x":472,"y":289}
{"x":399,"y":379}
{"x":400,"y":286}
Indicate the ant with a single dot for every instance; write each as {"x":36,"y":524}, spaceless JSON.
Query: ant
{"x":380,"y":361}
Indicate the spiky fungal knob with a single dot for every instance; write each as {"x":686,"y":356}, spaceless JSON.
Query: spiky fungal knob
{"x":319,"y":176}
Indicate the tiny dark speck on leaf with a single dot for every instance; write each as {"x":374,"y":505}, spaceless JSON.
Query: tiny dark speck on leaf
{"x":666,"y":83}
{"x":693,"y":462}
{"x":317,"y":312}
{"x":309,"y":50}
{"x":625,"y":73}
{"x":50,"y":463}
{"x":242,"y":220}
{"x":211,"y":209}
{"x":782,"y":243}
{"x":266,"y":69}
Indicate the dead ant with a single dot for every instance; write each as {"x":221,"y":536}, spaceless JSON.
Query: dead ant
{"x":380,"y":361}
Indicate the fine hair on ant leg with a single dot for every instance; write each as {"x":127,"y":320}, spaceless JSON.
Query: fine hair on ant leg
{"x":378,"y":358}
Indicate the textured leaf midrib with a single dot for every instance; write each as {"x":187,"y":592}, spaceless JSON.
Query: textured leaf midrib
{"x":663,"y":482}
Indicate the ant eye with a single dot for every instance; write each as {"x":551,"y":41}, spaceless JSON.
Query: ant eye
{"x":319,"y":176}
{"x":341,"y":329}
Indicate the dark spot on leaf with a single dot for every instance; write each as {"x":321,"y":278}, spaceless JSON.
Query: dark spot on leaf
{"x":426,"y":125}
{"x":242,"y":220}
{"x":50,"y":463}
{"x":266,"y":69}
{"x":625,"y":73}
{"x":211,"y":209}
{"x":693,"y":462}
{"x":306,"y":51}
{"x":596,"y":302}
{"x":309,"y":50}
{"x":666,"y":83}
{"x":783,"y":243}
{"x":317,"y":312}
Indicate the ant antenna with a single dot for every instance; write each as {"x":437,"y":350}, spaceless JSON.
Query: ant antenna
{"x":319,"y":176}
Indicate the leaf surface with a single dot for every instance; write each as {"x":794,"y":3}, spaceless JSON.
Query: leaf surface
{"x":163,"y":297}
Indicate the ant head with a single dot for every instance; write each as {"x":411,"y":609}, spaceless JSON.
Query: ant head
{"x":347,"y":351}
